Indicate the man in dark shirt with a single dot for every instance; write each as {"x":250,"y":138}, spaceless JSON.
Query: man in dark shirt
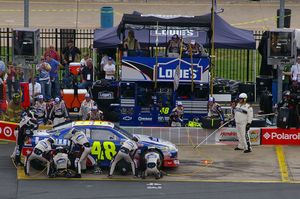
{"x":87,"y":74}
{"x":71,"y":53}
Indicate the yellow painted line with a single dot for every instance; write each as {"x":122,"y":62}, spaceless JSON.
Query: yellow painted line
{"x":274,"y":4}
{"x":21,"y":176}
{"x":1,"y":121}
{"x":282,"y":164}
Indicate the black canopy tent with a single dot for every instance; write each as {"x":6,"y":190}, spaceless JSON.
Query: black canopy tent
{"x":226,"y":36}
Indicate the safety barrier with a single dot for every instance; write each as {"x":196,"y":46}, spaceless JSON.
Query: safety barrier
{"x":176,"y":135}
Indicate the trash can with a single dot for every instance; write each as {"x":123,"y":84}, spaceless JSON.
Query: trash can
{"x":107,"y":17}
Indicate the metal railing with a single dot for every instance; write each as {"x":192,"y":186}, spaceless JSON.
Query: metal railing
{"x":237,"y":64}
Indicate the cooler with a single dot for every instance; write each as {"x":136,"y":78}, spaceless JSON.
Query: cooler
{"x":74,"y":68}
{"x":25,"y":98}
{"x":73,"y":102}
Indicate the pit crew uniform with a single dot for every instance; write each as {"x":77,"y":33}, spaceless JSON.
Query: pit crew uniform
{"x":85,"y":108}
{"x":41,"y":152}
{"x":129,"y":146}
{"x":215,"y":111}
{"x":61,"y":161}
{"x":59,"y":112}
{"x":152,"y":161}
{"x":95,"y":115}
{"x":243,"y":117}
{"x":41,"y":111}
{"x":24,"y":130}
{"x":176,"y":115}
{"x":79,"y":139}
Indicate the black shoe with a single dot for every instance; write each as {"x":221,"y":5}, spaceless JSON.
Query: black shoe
{"x":248,"y":151}
{"x":237,"y":149}
{"x":109,"y":176}
{"x":78,"y":175}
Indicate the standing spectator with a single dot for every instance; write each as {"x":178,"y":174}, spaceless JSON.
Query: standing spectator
{"x":71,"y":53}
{"x":131,"y":43}
{"x":110,"y":69}
{"x":37,"y":89}
{"x":55,"y":87}
{"x":2,"y":70}
{"x":52,"y":52}
{"x":87,"y":74}
{"x":295,"y":70}
{"x":44,"y":78}
{"x":11,"y":80}
{"x":84,"y":59}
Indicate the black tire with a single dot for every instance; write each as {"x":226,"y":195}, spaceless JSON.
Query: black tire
{"x":37,"y":164}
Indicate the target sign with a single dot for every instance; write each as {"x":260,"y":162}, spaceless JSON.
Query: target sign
{"x":7,"y":131}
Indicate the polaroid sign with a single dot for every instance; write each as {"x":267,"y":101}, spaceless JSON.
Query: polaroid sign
{"x":277,"y":136}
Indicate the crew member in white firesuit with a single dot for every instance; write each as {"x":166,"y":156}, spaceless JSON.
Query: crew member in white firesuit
{"x":24,"y":130}
{"x":214,"y":109}
{"x":176,"y":116}
{"x":41,"y":110}
{"x":79,"y":139}
{"x":86,"y":106}
{"x":126,"y":152}
{"x":41,"y":152}
{"x":60,"y":163}
{"x":95,"y":114}
{"x":59,"y":112}
{"x":243,"y":115}
{"x":152,"y":161}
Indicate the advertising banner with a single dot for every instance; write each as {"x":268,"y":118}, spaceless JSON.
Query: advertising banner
{"x":278,"y":136}
{"x":143,"y":69}
{"x":7,"y":131}
{"x":230,"y":135}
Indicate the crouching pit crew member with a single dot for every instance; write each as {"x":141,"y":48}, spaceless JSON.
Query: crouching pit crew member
{"x":60,"y":163}
{"x":152,"y":162}
{"x":79,"y":139}
{"x":126,"y":152}
{"x":41,"y":152}
{"x":243,"y":115}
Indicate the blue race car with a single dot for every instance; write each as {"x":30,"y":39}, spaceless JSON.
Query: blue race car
{"x":106,"y":139}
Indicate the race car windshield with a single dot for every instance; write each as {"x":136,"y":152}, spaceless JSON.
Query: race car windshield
{"x":124,"y":132}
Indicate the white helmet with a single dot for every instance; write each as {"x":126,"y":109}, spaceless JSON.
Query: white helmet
{"x":179,"y":103}
{"x":243,"y":96}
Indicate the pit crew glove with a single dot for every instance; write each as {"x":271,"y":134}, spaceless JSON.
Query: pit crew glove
{"x":248,"y":126}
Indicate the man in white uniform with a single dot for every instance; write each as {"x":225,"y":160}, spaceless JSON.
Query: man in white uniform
{"x":40,"y":152}
{"x":86,"y":106}
{"x":79,"y":138}
{"x":243,"y":115}
{"x":295,"y":71}
{"x":152,"y":161}
{"x":110,"y":69}
{"x":128,"y":147}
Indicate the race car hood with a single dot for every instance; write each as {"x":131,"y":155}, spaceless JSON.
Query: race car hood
{"x":155,"y":141}
{"x":43,"y":133}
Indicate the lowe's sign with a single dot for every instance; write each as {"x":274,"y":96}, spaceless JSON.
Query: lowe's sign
{"x":143,"y":69}
{"x":166,"y":71}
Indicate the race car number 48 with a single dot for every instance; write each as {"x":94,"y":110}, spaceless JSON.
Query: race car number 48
{"x":109,"y":150}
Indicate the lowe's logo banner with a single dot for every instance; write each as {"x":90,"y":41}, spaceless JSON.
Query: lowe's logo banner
{"x":143,"y":69}
{"x":167,"y":70}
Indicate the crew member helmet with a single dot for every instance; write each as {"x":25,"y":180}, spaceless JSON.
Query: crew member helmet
{"x":51,"y":140}
{"x":94,"y":108}
{"x":87,"y":95}
{"x":179,"y":103}
{"x":56,"y":100}
{"x":135,"y":138}
{"x":243,"y":96}
{"x":40,"y":97}
{"x":211,"y":99}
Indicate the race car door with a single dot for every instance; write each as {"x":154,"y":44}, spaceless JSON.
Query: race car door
{"x":105,"y":145}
